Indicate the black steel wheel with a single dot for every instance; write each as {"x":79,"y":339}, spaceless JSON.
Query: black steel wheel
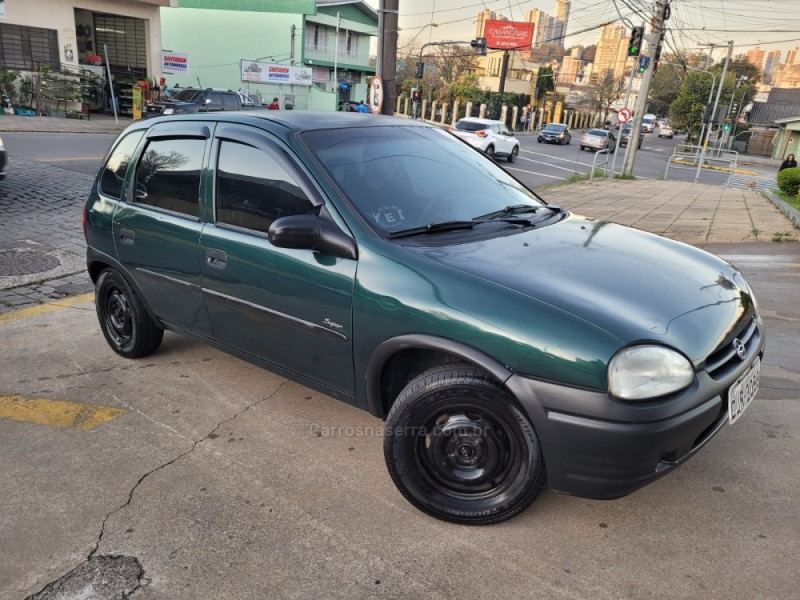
{"x":460,"y":449}
{"x":513,"y":156}
{"x":127,"y":327}
{"x":489,"y":150}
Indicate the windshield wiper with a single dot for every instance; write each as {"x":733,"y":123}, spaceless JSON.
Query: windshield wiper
{"x":453,"y":225}
{"x":516,"y":209}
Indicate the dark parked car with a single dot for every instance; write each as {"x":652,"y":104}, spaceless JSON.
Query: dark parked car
{"x":505,"y":341}
{"x":190,"y":101}
{"x":554,"y":133}
{"x":3,"y":160}
{"x":625,"y":134}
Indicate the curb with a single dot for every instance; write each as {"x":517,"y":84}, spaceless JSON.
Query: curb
{"x":787,"y":209}
{"x":716,"y":168}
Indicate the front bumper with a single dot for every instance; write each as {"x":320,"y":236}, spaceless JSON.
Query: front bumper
{"x":595,"y":446}
{"x":551,"y":139}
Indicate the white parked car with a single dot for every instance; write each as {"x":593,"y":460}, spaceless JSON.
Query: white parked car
{"x":598,"y":139}
{"x":488,"y":136}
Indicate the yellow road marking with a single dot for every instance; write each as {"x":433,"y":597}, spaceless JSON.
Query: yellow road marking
{"x":69,"y":158}
{"x":45,"y":308}
{"x":83,"y":417}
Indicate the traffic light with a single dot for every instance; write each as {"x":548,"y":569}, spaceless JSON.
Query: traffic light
{"x":415,"y":95}
{"x":644,"y":62}
{"x":420,"y":70}
{"x":707,"y":113}
{"x":635,"y":43}
{"x":480,"y":46}
{"x":726,"y":126}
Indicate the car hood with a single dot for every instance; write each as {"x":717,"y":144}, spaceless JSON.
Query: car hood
{"x":635,"y":285}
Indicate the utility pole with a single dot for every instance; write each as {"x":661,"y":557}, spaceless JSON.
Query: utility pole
{"x":387,"y":53}
{"x":336,"y":64}
{"x":714,"y":110}
{"x":640,"y":106}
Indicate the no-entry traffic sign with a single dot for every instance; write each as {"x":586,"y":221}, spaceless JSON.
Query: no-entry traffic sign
{"x":623,"y":115}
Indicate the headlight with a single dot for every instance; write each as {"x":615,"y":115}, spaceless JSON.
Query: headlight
{"x":646,"y":372}
{"x":168,"y":111}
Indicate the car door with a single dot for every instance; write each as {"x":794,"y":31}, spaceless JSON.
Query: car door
{"x":290,"y":307}
{"x":505,"y":140}
{"x":157,"y":229}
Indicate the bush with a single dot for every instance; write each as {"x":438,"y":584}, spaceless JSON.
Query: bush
{"x":789,"y":181}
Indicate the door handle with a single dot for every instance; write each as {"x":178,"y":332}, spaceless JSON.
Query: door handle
{"x":127,"y":236}
{"x":216,"y":258}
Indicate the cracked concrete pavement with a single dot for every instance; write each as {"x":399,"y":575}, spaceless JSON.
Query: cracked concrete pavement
{"x":225,"y":481}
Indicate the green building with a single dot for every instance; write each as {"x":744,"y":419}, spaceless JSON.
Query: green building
{"x":285,"y":49}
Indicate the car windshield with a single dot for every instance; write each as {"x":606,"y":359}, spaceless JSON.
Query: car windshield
{"x":471,"y":126}
{"x":554,"y":128}
{"x":399,"y":178}
{"x":597,"y":132}
{"x":626,"y":131}
{"x":189,"y":95}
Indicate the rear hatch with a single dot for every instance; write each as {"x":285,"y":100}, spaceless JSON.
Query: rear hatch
{"x":468,"y":130}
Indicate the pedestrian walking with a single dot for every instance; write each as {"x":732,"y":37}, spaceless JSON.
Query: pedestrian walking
{"x":789,"y":163}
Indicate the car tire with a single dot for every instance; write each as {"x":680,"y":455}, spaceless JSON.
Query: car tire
{"x":459,"y":448}
{"x":513,"y":156}
{"x":582,"y":147}
{"x":489,"y":150}
{"x":569,"y":139}
{"x":539,"y":140}
{"x":126,"y":325}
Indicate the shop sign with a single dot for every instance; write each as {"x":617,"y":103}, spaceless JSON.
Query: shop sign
{"x":174,"y":62}
{"x":259,"y":72}
{"x":508,"y":35}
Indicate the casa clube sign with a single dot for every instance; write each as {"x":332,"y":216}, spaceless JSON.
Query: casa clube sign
{"x":508,"y":35}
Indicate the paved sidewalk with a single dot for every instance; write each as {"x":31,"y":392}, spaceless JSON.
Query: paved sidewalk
{"x":98,"y":123}
{"x":694,"y":213}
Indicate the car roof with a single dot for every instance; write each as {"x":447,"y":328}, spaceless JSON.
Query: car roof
{"x":293,"y":120}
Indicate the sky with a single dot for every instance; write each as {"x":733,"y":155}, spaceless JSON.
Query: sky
{"x":770,"y":24}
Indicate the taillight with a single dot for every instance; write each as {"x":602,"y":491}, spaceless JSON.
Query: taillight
{"x":482,"y":133}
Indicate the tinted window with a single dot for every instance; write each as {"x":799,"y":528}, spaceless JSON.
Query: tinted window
{"x":556,"y":128}
{"x":190,"y":96}
{"x":215,"y":98}
{"x":117,"y":165}
{"x":253,"y":189}
{"x":403,"y":177}
{"x":168,"y":176}
{"x":471,"y":126}
{"x":229,"y":102}
{"x":598,"y":132}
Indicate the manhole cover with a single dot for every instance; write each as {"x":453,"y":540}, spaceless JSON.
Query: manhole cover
{"x":25,"y":262}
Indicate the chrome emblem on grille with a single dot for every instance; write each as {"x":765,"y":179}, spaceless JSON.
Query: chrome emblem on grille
{"x":741,"y":351}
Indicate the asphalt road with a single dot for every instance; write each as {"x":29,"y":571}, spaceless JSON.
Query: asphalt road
{"x":79,"y":152}
{"x":545,"y":164}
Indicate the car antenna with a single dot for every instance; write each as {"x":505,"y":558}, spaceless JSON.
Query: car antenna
{"x":203,"y":91}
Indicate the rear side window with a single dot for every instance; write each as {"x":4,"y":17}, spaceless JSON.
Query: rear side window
{"x":471,"y":126}
{"x":168,"y":175}
{"x":215,"y":98}
{"x":229,"y":102}
{"x":254,"y":189}
{"x":117,"y":165}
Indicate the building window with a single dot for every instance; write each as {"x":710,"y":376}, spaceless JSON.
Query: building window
{"x":28,"y":47}
{"x":352,"y":43}
{"x":316,"y":37}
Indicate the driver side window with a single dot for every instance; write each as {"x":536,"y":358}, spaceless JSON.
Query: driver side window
{"x":253,"y":189}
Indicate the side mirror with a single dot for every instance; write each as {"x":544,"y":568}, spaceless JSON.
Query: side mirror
{"x":311,"y":232}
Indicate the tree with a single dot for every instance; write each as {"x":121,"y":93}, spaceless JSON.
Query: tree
{"x":545,"y":81}
{"x":465,"y":88}
{"x":606,"y":92}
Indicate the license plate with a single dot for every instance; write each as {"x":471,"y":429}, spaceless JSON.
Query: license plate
{"x":743,"y":391}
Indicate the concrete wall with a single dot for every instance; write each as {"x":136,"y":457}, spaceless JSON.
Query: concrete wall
{"x":60,"y":16}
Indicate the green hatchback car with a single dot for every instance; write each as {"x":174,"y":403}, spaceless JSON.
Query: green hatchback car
{"x":505,"y":341}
